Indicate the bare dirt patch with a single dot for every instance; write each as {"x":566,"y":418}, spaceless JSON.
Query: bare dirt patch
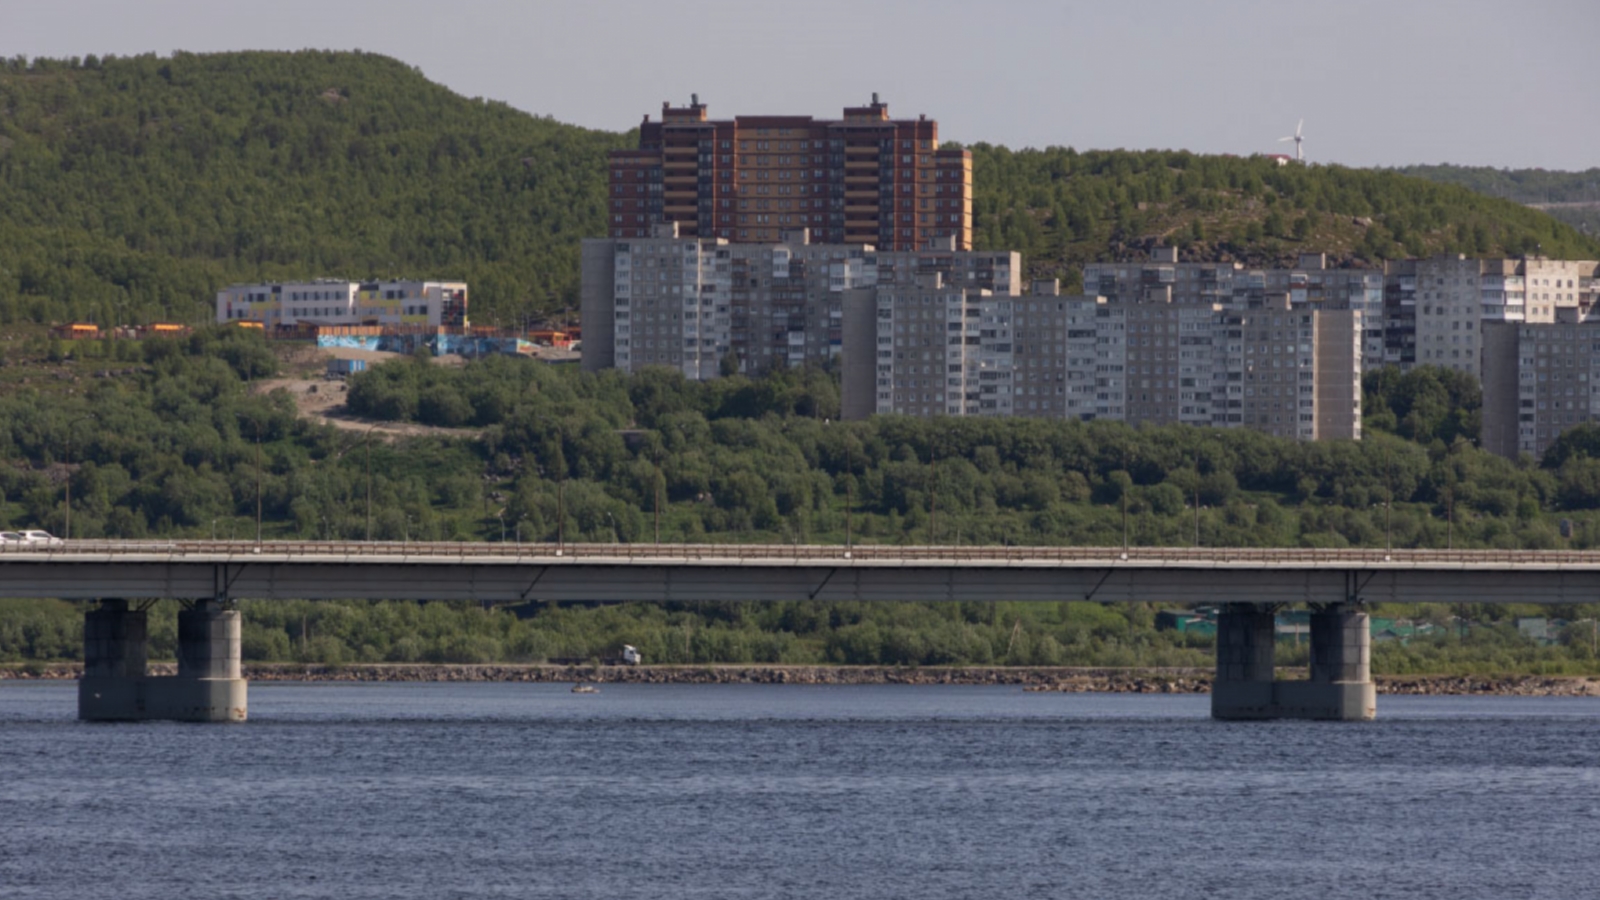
{"x":322,"y":399}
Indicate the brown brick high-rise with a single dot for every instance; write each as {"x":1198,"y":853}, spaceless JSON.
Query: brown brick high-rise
{"x":862,"y":179}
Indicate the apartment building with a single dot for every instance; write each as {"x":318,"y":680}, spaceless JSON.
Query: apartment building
{"x":334,"y":302}
{"x":941,"y":331}
{"x":1440,"y":306}
{"x":1308,"y":285}
{"x":1289,"y":371}
{"x":698,"y":304}
{"x":1539,"y":379}
{"x":861,"y":179}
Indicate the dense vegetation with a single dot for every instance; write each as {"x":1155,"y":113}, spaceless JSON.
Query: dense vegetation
{"x":135,"y":187}
{"x":1572,"y":197}
{"x":909,"y":634}
{"x":1063,"y":208}
{"x":160,"y":437}
{"x":167,"y":446}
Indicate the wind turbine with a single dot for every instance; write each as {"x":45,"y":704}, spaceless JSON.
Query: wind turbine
{"x":1299,"y":155}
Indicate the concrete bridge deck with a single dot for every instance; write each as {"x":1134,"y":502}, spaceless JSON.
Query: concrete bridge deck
{"x":506,"y":572}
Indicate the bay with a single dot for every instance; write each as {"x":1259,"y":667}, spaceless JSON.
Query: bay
{"x":744,"y":791}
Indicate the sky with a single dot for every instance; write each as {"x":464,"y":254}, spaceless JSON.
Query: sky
{"x":1377,"y":82}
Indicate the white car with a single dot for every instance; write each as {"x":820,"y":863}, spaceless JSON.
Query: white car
{"x":38,"y":538}
{"x":11,"y":537}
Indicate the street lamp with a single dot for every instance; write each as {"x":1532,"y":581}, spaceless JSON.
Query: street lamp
{"x":368,"y":441}
{"x":257,"y":423}
{"x":82,"y":418}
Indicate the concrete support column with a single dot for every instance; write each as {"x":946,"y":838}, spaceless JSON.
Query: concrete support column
{"x":208,"y":686}
{"x":115,"y":641}
{"x":1341,"y":685}
{"x":1243,"y":688}
{"x":208,"y":641}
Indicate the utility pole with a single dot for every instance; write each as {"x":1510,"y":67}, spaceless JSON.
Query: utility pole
{"x":257,"y":423}
{"x":368,"y":442}
{"x":1450,"y":519}
{"x":657,"y":509}
{"x":1197,"y":500}
{"x":933,"y":500}
{"x":75,"y":421}
{"x":1388,"y":506}
{"x":1125,"y":517}
{"x":849,"y":492}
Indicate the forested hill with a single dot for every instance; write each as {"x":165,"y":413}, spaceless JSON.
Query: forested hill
{"x":150,"y":181}
{"x":1063,"y":208}
{"x":134,"y":187}
{"x":1572,"y":197}
{"x":1520,"y":185}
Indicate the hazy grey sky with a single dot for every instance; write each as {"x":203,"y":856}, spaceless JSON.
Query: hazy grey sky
{"x":1379,"y":82}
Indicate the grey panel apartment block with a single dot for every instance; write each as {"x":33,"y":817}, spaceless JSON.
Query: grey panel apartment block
{"x":1540,"y":379}
{"x":596,"y":299}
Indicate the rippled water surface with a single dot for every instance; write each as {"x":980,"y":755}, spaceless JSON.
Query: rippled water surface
{"x":498,"y":790}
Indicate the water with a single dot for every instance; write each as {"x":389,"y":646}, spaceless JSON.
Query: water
{"x":499,"y":790}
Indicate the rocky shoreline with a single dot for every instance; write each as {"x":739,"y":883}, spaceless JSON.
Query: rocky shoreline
{"x":1063,"y":680}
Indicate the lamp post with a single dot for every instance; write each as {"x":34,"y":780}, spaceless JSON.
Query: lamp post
{"x":1197,"y":500}
{"x":656,"y":506}
{"x":75,"y":421}
{"x":257,"y":423}
{"x":368,"y":441}
{"x":849,"y":492}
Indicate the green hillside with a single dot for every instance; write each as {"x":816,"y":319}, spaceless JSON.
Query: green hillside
{"x":1063,"y":208}
{"x":1572,"y":197}
{"x":135,"y":187}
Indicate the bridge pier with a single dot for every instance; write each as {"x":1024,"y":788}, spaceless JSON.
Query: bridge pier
{"x":1340,"y":685}
{"x":208,"y":687}
{"x":1246,"y":639}
{"x":115,"y":640}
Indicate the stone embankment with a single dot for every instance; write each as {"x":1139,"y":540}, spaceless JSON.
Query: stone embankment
{"x":1063,"y":680}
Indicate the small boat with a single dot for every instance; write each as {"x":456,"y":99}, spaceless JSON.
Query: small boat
{"x":585,"y":689}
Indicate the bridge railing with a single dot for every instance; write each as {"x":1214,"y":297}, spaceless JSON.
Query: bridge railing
{"x":311,"y":551}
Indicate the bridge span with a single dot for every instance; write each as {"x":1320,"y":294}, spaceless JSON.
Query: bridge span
{"x":1250,"y":583}
{"x":510,"y":573}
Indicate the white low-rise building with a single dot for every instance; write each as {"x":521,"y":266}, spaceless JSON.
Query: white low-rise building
{"x":332,"y":302}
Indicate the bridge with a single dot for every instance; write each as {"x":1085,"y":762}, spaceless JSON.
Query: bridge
{"x":1250,"y":583}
